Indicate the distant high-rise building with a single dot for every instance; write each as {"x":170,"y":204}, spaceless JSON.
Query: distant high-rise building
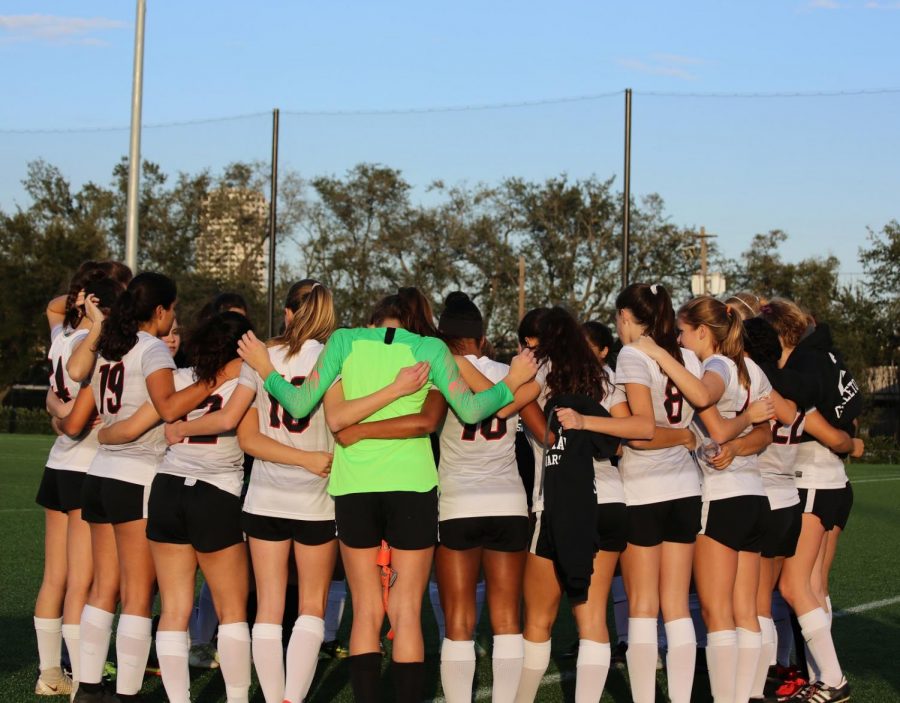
{"x":232,"y":236}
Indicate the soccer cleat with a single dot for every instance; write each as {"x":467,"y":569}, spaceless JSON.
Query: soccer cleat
{"x":203,"y":656}
{"x":53,"y":682}
{"x":820,"y":693}
{"x":98,"y":693}
{"x":333,"y":650}
{"x":790,"y":690}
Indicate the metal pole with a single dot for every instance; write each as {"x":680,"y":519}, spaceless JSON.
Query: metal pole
{"x":521,"y":287}
{"x":273,"y":219}
{"x":134,"y":147}
{"x":626,"y":205}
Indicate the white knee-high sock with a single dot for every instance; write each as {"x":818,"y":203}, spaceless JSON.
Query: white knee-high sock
{"x":681,"y":659}
{"x":641,"y":657}
{"x":268,"y":658}
{"x":49,"y":641}
{"x":133,"y":641}
{"x":435,"y":597}
{"x":172,"y":649}
{"x":96,"y":628}
{"x":721,"y":660}
{"x":766,"y":652}
{"x":697,"y":617}
{"x":817,"y":633}
{"x":480,"y":590}
{"x":334,"y":609}
{"x":508,"y":658}
{"x":749,"y":644}
{"x":535,"y":660}
{"x":591,"y":670}
{"x":457,"y":670}
{"x":234,"y":656}
{"x":302,"y":656}
{"x":620,"y":608}
{"x":781,"y":614}
{"x":72,"y":636}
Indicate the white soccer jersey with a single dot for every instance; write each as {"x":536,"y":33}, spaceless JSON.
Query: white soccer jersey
{"x":68,"y":454}
{"x":478,"y":473}
{"x":776,"y":463}
{"x":537,"y":448}
{"x":280,"y":490}
{"x":742,"y":477}
{"x":607,"y":479}
{"x":656,"y":475}
{"x":818,"y":467}
{"x":120,"y":388}
{"x":215,"y":459}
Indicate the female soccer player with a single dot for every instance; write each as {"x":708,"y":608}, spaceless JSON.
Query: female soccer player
{"x":575,"y":371}
{"x":483,"y":518}
{"x":133,"y":366}
{"x":735,"y":507}
{"x":67,"y":541}
{"x":822,"y":481}
{"x":287,"y":507}
{"x":374,"y":500}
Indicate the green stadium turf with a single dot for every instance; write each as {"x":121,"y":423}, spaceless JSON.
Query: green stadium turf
{"x":867,"y":633}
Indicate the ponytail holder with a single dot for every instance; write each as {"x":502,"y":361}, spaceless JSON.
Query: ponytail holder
{"x":653,"y":288}
{"x":314,"y":286}
{"x":728,"y":310}
{"x":765,"y":309}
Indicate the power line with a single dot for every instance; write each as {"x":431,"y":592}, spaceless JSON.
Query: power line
{"x":472,"y":107}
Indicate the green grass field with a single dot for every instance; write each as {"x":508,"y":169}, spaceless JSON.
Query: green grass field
{"x":865,"y":586}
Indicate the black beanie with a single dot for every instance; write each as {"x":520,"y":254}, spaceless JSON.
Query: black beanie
{"x":461,"y":317}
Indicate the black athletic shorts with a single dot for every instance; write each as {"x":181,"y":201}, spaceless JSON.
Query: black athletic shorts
{"x":60,"y":490}
{"x":278,"y":529}
{"x":738,"y":523}
{"x":405,"y":519}
{"x":610,"y":534}
{"x":782,"y":530}
{"x":830,"y":505}
{"x":667,"y":521}
{"x":843,"y":515}
{"x":111,"y":501}
{"x":187,"y":511}
{"x":502,"y":533}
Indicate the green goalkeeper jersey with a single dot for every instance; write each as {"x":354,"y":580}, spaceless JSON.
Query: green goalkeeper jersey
{"x":367,"y":360}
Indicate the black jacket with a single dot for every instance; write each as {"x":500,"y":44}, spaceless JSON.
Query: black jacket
{"x":837,"y":396}
{"x":570,"y":499}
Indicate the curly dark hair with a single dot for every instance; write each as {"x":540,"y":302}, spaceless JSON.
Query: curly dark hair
{"x":530,"y":324}
{"x":222,"y":303}
{"x":573,"y":366}
{"x":761,"y":342}
{"x":88,"y":272}
{"x":135,"y":305}
{"x":213,"y":343}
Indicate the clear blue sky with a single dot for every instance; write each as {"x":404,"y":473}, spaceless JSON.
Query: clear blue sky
{"x":823,"y":169}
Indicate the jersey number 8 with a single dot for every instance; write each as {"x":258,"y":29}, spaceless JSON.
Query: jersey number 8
{"x":673,"y":403}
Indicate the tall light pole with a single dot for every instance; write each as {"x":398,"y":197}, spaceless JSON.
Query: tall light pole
{"x":134,"y":147}
{"x":626,"y":195}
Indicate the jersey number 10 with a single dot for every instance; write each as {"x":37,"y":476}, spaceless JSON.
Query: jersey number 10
{"x":278,"y":416}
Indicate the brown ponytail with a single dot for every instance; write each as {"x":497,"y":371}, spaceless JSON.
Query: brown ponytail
{"x":651,"y":306}
{"x":725,"y":325}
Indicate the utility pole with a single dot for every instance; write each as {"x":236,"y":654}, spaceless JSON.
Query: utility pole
{"x":134,"y":146}
{"x":273,"y":223}
{"x":521,"y":287}
{"x":704,"y":276}
{"x":626,"y":195}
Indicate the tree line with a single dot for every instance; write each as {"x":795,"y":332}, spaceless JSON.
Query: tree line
{"x":366,"y":232}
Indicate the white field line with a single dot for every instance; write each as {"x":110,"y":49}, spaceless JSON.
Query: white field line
{"x":484,"y":693}
{"x":21,"y":510}
{"x":855,"y":481}
{"x":863,"y":607}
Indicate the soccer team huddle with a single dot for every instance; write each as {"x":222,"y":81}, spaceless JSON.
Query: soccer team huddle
{"x":698,"y":476}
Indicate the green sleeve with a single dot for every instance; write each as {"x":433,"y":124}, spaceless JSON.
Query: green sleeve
{"x":470,"y":407}
{"x":300,"y":401}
